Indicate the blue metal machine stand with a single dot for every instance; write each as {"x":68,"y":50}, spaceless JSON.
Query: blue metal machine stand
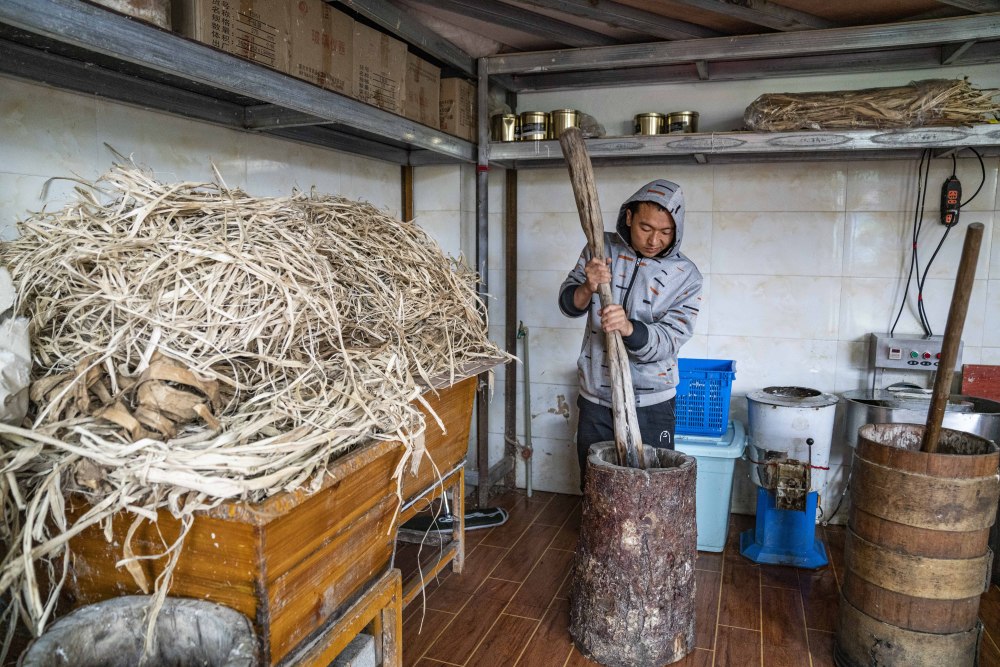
{"x":784,"y":537}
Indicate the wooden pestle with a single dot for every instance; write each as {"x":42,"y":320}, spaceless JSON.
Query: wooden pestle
{"x":952,"y":335}
{"x":628,"y":439}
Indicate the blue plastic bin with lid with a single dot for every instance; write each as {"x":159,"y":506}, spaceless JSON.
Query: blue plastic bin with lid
{"x":716,"y":459}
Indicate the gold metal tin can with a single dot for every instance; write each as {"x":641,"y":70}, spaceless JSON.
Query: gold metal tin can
{"x":649,"y":123}
{"x":503,"y":127}
{"x":534,"y":125}
{"x":682,"y":122}
{"x":561,"y":119}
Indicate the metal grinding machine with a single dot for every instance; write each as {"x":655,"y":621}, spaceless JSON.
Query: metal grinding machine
{"x":790,"y":430}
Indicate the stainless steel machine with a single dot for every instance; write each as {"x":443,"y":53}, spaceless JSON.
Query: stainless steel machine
{"x":908,"y":404}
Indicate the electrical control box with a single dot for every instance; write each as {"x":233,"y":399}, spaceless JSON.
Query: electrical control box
{"x":908,"y":352}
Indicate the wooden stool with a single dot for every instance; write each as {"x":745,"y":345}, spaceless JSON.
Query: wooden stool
{"x":379,"y":609}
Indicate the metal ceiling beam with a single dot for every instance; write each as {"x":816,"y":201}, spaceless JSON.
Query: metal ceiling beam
{"x":321,"y":136}
{"x":508,"y":16}
{"x":776,"y":45}
{"x":739,"y":70}
{"x":762,"y":12}
{"x":950,"y":53}
{"x":981,"y":6}
{"x":398,"y":23}
{"x":630,"y":18}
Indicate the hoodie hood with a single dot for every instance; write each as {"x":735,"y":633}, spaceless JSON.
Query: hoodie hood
{"x":668,"y":195}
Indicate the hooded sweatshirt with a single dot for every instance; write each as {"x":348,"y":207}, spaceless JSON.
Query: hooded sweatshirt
{"x":661,"y":296}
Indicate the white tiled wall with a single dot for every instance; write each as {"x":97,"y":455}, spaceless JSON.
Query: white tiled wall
{"x":793,"y":282}
{"x":46,"y":133}
{"x":801,"y":260}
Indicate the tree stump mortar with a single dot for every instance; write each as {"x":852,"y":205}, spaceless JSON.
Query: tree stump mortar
{"x":632,"y":602}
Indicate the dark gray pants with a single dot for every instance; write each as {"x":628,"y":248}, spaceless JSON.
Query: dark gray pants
{"x":596,"y":424}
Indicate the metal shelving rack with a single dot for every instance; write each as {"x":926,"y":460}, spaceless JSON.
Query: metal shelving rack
{"x":720,"y":147}
{"x":76,"y":46}
{"x":966,"y":40}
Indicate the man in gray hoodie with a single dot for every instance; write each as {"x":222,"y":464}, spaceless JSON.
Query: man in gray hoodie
{"x":657,"y":296}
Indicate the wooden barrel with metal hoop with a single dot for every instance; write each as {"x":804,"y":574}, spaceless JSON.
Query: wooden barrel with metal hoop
{"x":916,"y":555}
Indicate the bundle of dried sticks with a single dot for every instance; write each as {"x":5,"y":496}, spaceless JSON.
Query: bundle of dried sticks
{"x":922,"y":103}
{"x":195,"y":344}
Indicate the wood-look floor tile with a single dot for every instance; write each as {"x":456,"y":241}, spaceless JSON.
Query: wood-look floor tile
{"x":989,"y":612}
{"x":577,"y":659}
{"x":737,"y":647}
{"x":507,"y":590}
{"x":459,"y":639}
{"x":821,"y":648}
{"x":497,"y":589}
{"x":474,"y":538}
{"x":696,"y":658}
{"x":477,"y":568}
{"x":551,"y":644}
{"x":737,"y":524}
{"x":419,"y":632}
{"x":545,"y":580}
{"x":558,"y":511}
{"x":707,"y":591}
{"x":567,"y":584}
{"x":821,"y":597}
{"x":834,"y":537}
{"x":784,"y":632}
{"x":521,"y":514}
{"x":460,"y":622}
{"x":740,"y":605}
{"x":784,"y":622}
{"x":568,"y":535}
{"x":779,"y":576}
{"x":709,"y":560}
{"x":989,"y":653}
{"x":523,"y":555}
{"x":504,"y":643}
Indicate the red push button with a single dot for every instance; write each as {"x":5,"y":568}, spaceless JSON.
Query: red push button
{"x":927,"y":355}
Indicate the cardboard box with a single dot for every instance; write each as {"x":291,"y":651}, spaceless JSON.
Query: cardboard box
{"x":458,"y":108}
{"x":379,"y":68}
{"x":156,"y":12}
{"x":322,"y":46}
{"x":423,"y":91}
{"x":253,"y":29}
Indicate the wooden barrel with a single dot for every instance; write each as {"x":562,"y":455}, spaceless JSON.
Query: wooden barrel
{"x":632,"y":601}
{"x":916,"y":557}
{"x":863,"y":641}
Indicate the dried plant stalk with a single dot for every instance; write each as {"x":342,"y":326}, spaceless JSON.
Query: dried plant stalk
{"x":195,"y":344}
{"x":922,"y":103}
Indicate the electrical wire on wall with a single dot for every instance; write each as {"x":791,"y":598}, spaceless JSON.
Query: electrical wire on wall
{"x":923,"y":171}
{"x":949,"y":220}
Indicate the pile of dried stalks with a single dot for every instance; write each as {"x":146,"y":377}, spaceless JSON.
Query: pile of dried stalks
{"x":195,"y":344}
{"x":922,"y":103}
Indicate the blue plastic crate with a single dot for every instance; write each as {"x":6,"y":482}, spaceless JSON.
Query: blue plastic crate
{"x":703,"y":396}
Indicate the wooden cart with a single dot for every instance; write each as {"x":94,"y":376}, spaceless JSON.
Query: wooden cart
{"x":309,"y":570}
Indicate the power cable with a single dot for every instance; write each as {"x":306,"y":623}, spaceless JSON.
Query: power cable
{"x":917,"y":216}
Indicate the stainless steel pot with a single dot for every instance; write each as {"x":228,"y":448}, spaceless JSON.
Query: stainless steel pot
{"x":970,"y":414}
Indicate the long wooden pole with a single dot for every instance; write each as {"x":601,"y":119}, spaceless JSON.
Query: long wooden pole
{"x":953,"y":335}
{"x":628,"y":439}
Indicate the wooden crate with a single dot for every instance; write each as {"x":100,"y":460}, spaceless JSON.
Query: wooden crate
{"x":296,"y":561}
{"x":445,"y":451}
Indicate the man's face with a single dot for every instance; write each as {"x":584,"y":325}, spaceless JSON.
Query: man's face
{"x":652,"y":229}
